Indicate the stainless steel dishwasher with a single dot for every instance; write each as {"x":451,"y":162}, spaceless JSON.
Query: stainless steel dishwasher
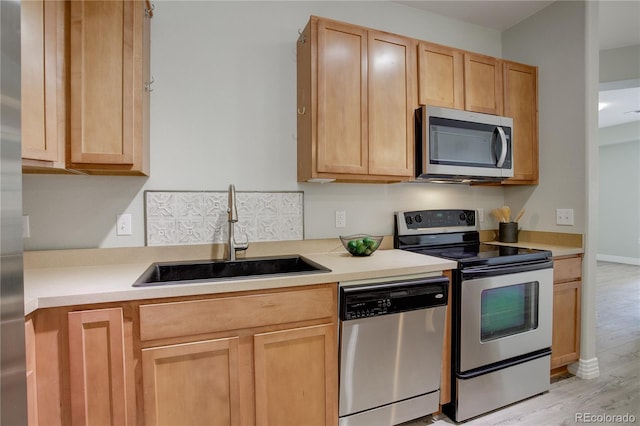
{"x":391,"y":336}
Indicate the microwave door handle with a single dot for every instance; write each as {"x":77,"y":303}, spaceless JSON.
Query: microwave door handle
{"x":503,"y":152}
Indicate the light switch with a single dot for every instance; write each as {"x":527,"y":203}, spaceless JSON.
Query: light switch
{"x":123,"y":224}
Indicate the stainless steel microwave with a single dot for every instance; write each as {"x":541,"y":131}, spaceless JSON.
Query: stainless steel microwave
{"x":462,"y":146}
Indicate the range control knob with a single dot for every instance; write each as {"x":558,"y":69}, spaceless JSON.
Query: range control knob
{"x":419,"y":218}
{"x":463,"y":216}
{"x":471,"y":219}
{"x":408,"y":219}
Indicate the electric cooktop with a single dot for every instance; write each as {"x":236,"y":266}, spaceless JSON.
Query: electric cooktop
{"x":453,"y":235}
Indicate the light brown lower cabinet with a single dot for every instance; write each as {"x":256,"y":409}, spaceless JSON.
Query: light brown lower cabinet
{"x":32,"y":383}
{"x":258,"y":357}
{"x":251,"y":358}
{"x":567,"y":284}
{"x":80,"y":366}
{"x":98,"y":369}
{"x":196,"y":383}
{"x":295,"y":376}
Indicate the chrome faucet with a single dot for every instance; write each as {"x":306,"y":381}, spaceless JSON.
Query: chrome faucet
{"x":232,"y":211}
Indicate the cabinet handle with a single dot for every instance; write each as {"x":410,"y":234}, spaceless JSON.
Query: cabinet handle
{"x":148,"y":11}
{"x":302,"y":39}
{"x":302,"y":111}
{"x":147,"y":85}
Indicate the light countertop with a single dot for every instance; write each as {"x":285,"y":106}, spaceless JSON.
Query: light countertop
{"x":53,"y":286}
{"x":86,"y":276}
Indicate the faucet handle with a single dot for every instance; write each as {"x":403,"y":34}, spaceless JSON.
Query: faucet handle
{"x":241,"y":245}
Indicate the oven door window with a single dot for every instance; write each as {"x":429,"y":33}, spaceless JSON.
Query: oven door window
{"x":508,"y":310}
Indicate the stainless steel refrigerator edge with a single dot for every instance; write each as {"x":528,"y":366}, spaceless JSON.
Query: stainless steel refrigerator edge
{"x":13,"y":388}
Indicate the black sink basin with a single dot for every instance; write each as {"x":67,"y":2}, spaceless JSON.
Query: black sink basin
{"x":187,"y":272}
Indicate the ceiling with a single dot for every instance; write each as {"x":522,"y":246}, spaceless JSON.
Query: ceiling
{"x":618,"y":28}
{"x":619,"y":106}
{"x":498,"y":15}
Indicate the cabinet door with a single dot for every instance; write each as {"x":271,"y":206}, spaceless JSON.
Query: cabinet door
{"x":565,"y":347}
{"x":521,"y":104}
{"x":482,"y":84}
{"x":42,"y":45}
{"x":106,"y":84}
{"x":296,"y":376}
{"x":440,"y":76}
{"x":97,"y":368}
{"x":192,"y":383}
{"x":391,"y":102}
{"x":342,"y":98}
{"x":567,"y":276}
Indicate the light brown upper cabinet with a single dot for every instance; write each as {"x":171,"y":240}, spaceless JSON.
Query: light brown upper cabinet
{"x":482,"y":84}
{"x":109,"y":106}
{"x":85,"y":70}
{"x":440,"y":76}
{"x":42,"y":69}
{"x":356,"y":97}
{"x":521,"y":103}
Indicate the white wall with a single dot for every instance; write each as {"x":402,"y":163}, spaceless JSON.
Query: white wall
{"x":553,"y":39}
{"x":620,"y":64}
{"x":223,"y":110}
{"x":619,"y":152}
{"x":619,"y":204}
{"x":562,"y":40}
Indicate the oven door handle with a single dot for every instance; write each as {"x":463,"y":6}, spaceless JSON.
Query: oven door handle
{"x":491,"y":271}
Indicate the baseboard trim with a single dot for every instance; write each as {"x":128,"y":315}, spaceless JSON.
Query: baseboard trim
{"x":585,"y":368}
{"x":618,"y":259}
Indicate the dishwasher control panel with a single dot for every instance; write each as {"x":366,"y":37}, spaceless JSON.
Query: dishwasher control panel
{"x":371,"y":300}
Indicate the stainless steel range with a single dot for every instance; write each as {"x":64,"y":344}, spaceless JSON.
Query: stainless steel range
{"x":502,"y":305}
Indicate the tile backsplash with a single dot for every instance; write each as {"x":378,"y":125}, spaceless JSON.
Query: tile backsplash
{"x":200,"y":217}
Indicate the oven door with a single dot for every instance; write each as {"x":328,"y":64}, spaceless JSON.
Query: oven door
{"x":505,"y":312}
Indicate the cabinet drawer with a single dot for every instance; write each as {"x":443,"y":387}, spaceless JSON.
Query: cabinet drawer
{"x":175,"y":319}
{"x":567,"y":269}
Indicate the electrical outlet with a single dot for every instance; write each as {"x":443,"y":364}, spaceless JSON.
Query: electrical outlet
{"x":341,"y":219}
{"x":123,"y":224}
{"x":480,"y":215}
{"x":564,"y":217}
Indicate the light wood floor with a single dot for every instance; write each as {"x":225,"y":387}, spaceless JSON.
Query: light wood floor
{"x":615,"y":392}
